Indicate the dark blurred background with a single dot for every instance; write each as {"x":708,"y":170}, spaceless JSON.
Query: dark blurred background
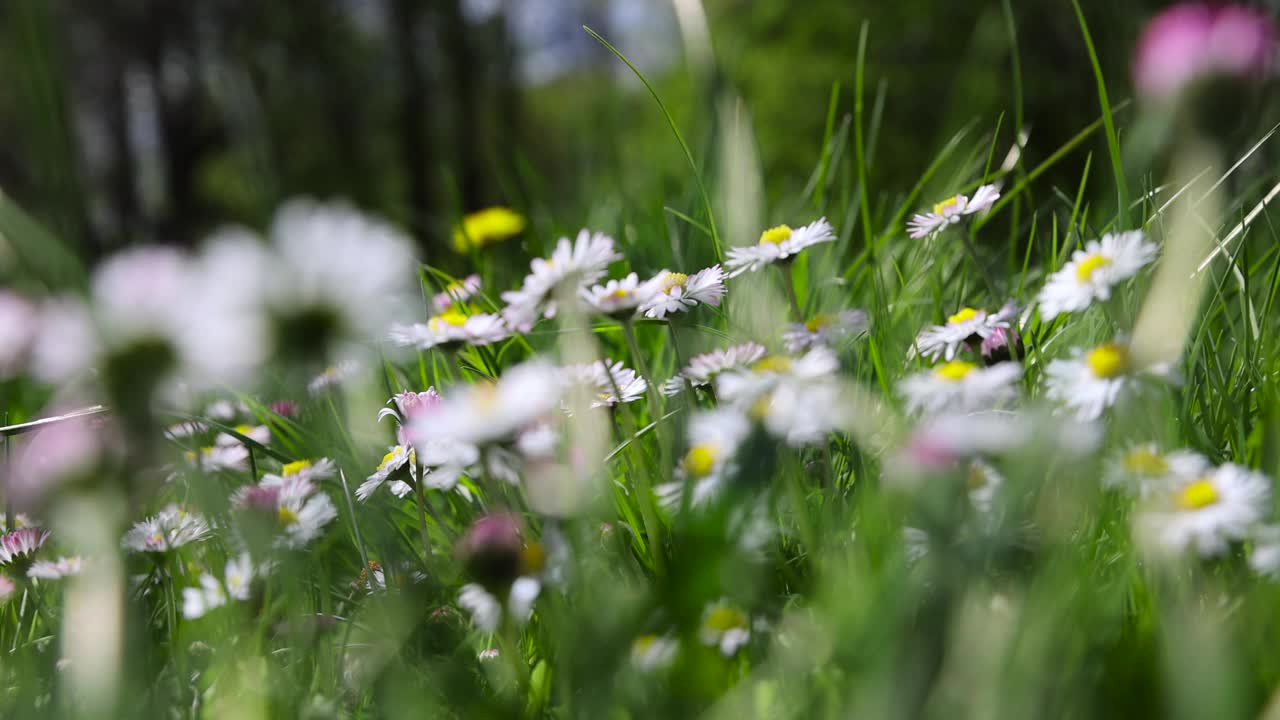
{"x":153,"y":120}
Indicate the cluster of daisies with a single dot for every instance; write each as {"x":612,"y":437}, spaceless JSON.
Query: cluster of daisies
{"x":328,"y":280}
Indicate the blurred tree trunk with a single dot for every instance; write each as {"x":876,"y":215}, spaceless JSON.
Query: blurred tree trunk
{"x":406,"y":18}
{"x":465,"y":82}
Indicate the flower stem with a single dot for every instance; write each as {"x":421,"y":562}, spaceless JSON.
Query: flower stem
{"x":652,"y":529}
{"x":790,"y":286}
{"x":422,"y":517}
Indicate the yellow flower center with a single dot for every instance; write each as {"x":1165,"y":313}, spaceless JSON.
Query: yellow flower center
{"x":817,"y":322}
{"x":1107,"y":361}
{"x":775,"y":235}
{"x":620,"y":293}
{"x":295,"y":467}
{"x":389,"y":458}
{"x":700,"y":460}
{"x":1144,"y":462}
{"x":724,"y":618}
{"x":945,"y":205}
{"x":955,"y":371}
{"x":286,"y":516}
{"x":772,"y":364}
{"x":673,"y":280}
{"x":963,"y":315}
{"x":156,"y":538}
{"x":1197,"y":495}
{"x":1090,"y":265}
{"x":449,"y":318}
{"x":644,"y":642}
{"x":976,"y":478}
{"x":533,"y":558}
{"x":760,"y":408}
{"x":244,"y":429}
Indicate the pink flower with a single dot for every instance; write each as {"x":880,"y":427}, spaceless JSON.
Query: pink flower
{"x":1191,"y":41}
{"x":18,"y":546}
{"x":412,"y":404}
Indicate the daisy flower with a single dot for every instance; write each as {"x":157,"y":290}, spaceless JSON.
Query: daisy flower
{"x":778,"y":244}
{"x":333,"y":375}
{"x":451,"y":329}
{"x":1207,"y":513}
{"x":260,"y":434}
{"x":714,"y":438}
{"x":1090,"y":382}
{"x":617,"y":298}
{"x":457,"y":294}
{"x":487,"y":610}
{"x":1093,"y":272}
{"x":214,"y":458}
{"x":703,"y":369}
{"x":959,"y":386}
{"x":296,"y":506}
{"x":747,"y":385}
{"x":607,"y":383}
{"x":1265,"y":558}
{"x":572,"y":265}
{"x":951,"y":211}
{"x":171,"y":528}
{"x":824,"y":329}
{"x":675,"y":292}
{"x":1147,"y":470}
{"x":307,"y":470}
{"x":653,"y":652}
{"x":17,"y":547}
{"x":55,"y":569}
{"x":965,"y":326}
{"x":491,"y":412}
{"x":397,"y":457}
{"x":724,"y":626}
{"x":335,"y":272}
{"x":486,"y":227}
{"x":983,"y":482}
{"x":199,"y":601}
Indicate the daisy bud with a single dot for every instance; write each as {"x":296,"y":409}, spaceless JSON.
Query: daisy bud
{"x":492,"y":550}
{"x":1002,"y":345}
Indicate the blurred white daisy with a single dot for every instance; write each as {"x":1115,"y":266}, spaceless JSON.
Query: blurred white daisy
{"x":824,"y":329}
{"x":297,"y":508}
{"x":951,"y":211}
{"x":714,"y":438}
{"x":170,"y":528}
{"x":308,"y":470}
{"x":1206,"y":514}
{"x":493,"y":411}
{"x":56,"y":569}
{"x":214,"y":458}
{"x":450,"y":329}
{"x":777,"y":244}
{"x":617,"y":298}
{"x":336,"y":273}
{"x":1090,"y":382}
{"x":745,"y":386}
{"x":983,"y":483}
{"x":1265,"y":557}
{"x":965,"y":326}
{"x":725,"y":627}
{"x":333,"y":375}
{"x":457,"y":294}
{"x":674,"y":292}
{"x":199,"y":601}
{"x":960,"y":386}
{"x":607,"y":383}
{"x":398,"y":457}
{"x":1094,"y":271}
{"x":487,"y":611}
{"x":260,"y":434}
{"x":653,"y":652}
{"x":1146,"y":470}
{"x":703,"y":369}
{"x":17,"y":547}
{"x":572,"y":265}
{"x":66,"y":342}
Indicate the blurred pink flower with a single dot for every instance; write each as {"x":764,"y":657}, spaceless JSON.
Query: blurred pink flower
{"x":1190,"y":41}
